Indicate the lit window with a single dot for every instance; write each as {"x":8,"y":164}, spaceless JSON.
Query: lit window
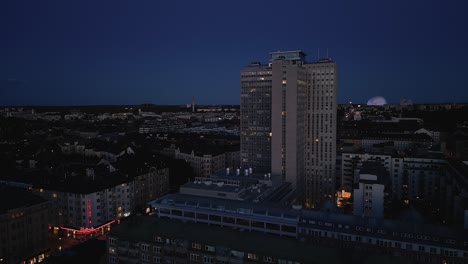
{"x":251,"y":256}
{"x":144,"y":247}
{"x":196,"y":246}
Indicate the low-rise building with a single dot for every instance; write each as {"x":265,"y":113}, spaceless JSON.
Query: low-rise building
{"x":151,"y":240}
{"x":24,"y":226}
{"x":417,"y":241}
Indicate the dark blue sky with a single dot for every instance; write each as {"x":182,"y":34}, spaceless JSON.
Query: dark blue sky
{"x":165,"y":52}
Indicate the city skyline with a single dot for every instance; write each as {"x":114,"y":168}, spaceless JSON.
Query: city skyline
{"x":233,"y":132}
{"x":88,"y":53}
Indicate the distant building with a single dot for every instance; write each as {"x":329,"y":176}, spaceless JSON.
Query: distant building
{"x":24,"y":219}
{"x":435,"y":135}
{"x":412,"y":177}
{"x":203,"y":164}
{"x":400,"y":142}
{"x":352,"y":162}
{"x":159,"y":126}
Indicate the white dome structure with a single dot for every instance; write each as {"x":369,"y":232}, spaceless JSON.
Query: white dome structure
{"x":377,"y":100}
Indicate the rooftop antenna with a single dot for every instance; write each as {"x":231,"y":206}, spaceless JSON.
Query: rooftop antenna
{"x":327,"y":52}
{"x":318,"y":53}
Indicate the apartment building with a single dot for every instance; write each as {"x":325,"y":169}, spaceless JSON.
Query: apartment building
{"x":203,"y":164}
{"x":84,"y":204}
{"x":24,"y":219}
{"x":412,"y":178}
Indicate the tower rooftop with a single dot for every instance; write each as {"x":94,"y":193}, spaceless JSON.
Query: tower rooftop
{"x":288,"y":55}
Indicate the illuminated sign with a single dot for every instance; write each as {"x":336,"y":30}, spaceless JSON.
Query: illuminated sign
{"x":88,"y":210}
{"x":86,"y":230}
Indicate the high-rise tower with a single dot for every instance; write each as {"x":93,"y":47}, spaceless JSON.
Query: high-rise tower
{"x":255,"y":117}
{"x":288,"y":122}
{"x":288,"y":112}
{"x":320,"y":131}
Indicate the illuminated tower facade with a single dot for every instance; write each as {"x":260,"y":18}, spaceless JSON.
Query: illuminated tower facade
{"x":288,"y":122}
{"x":321,"y":118}
{"x":288,"y":112}
{"x":255,"y":118}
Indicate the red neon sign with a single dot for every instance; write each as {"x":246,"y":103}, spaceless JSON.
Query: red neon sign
{"x":87,"y":230}
{"x":88,"y":209}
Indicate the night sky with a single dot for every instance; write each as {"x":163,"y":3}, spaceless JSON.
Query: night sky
{"x":164,"y":52}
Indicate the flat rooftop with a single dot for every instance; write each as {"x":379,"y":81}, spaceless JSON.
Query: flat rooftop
{"x":287,"y":214}
{"x":15,"y":197}
{"x":208,"y":204}
{"x":251,"y":187}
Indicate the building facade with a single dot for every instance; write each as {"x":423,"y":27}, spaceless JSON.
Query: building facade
{"x":151,"y":240}
{"x":420,"y":242}
{"x":150,"y":185}
{"x":412,"y":178}
{"x":91,"y":207}
{"x":288,"y":120}
{"x":368,"y":197}
{"x":288,"y":117}
{"x":204,"y":165}
{"x":320,"y":133}
{"x":255,"y":117}
{"x":89,"y":210}
{"x":24,"y":228}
